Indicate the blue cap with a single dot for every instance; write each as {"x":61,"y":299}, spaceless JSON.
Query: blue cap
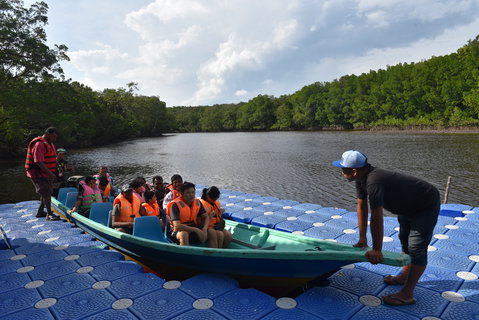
{"x":351,"y":159}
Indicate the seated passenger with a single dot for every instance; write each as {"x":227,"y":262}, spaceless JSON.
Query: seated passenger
{"x":218,"y":236}
{"x":151,"y":206}
{"x":104,"y":173}
{"x":88,"y":193}
{"x":175,"y":188}
{"x":105,"y":188}
{"x":183,"y":213}
{"x":160,"y":189}
{"x":126,"y":207}
{"x":138,"y":186}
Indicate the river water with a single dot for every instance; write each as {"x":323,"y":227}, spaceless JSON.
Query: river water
{"x":288,"y":165}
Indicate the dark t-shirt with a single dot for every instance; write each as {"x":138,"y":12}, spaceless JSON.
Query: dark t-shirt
{"x":175,"y":212}
{"x":396,"y":192}
{"x":160,"y":194}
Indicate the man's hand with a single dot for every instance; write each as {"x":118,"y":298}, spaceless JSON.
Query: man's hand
{"x":51,"y":176}
{"x":374,"y":256}
{"x":362,"y":243}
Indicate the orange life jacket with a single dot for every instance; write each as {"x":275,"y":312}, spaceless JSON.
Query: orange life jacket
{"x":151,"y":211}
{"x":128,"y":210}
{"x":214,"y":220}
{"x":175,"y":193}
{"x":50,"y":155}
{"x":188,"y":214}
{"x":107,"y":191}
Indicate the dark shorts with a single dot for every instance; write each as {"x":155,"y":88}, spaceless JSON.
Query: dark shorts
{"x":193,"y":238}
{"x":416,"y":232}
{"x":43,"y":187}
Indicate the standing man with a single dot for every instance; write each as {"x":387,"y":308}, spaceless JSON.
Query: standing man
{"x":41,"y":165}
{"x":415,"y":202}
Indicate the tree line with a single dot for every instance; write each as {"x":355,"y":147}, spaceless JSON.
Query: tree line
{"x":439,"y":92}
{"x":34,"y":94}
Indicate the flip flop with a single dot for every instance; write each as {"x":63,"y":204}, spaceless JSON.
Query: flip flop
{"x":392,"y":280}
{"x":396,"y":301}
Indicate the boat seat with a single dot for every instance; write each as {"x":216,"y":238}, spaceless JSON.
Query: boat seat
{"x":148,"y":227}
{"x":62,"y":194}
{"x":71,"y":199}
{"x":100,"y":212}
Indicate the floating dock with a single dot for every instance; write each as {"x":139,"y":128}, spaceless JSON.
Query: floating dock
{"x":55,"y":271}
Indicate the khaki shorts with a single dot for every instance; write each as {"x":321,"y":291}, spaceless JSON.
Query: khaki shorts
{"x":43,"y":187}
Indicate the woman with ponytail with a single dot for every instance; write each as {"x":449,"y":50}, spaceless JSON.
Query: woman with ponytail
{"x":218,"y":236}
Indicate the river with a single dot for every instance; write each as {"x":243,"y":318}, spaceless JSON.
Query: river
{"x":287,"y":165}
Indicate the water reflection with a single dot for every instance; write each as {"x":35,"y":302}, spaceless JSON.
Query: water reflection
{"x":287,"y":165}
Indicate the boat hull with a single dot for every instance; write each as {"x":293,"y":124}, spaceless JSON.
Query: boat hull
{"x":299,"y":266}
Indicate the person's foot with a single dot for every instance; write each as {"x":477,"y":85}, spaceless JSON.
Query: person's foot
{"x":41,"y":214}
{"x":396,"y":300}
{"x":394,"y":280}
{"x":53,"y":217}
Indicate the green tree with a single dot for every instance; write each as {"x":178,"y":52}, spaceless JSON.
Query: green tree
{"x":24,"y":53}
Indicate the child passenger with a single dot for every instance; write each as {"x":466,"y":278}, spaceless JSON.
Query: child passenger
{"x":218,"y":236}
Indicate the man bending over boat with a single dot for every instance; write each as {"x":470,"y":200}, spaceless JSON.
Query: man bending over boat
{"x":186,"y":213}
{"x":415,"y":201}
{"x":126,"y":207}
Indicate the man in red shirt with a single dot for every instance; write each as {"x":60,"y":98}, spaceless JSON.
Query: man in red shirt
{"x":40,"y":165}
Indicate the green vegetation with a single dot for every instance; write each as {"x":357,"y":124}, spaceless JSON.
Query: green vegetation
{"x":34,"y":95}
{"x":441,"y":92}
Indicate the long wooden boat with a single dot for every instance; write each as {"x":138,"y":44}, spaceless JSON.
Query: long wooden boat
{"x":255,"y":253}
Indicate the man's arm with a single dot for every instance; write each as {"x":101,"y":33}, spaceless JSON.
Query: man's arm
{"x":142,"y":211}
{"x":115,"y":214}
{"x":362,"y":211}
{"x":178,"y":226}
{"x":375,"y":255}
{"x":43,"y":167}
{"x":39,"y":151}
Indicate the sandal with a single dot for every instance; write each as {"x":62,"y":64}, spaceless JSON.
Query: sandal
{"x":392,"y":280}
{"x":392,"y":300}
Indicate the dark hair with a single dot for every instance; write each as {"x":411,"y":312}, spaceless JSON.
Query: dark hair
{"x":88,"y":179}
{"x":137,"y":182}
{"x":103,"y":181}
{"x":148,"y":195}
{"x":176,"y":177}
{"x":212,"y":192}
{"x":187,"y":185}
{"x":51,"y":130}
{"x":157,"y":178}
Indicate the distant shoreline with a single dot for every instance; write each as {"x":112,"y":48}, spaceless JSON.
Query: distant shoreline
{"x":20,"y":152}
{"x":425,"y":130}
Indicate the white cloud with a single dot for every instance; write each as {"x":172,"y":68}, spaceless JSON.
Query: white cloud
{"x":375,"y":59}
{"x":241,"y":92}
{"x":197,"y":52}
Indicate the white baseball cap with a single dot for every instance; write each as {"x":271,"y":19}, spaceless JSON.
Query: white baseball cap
{"x":351,"y":159}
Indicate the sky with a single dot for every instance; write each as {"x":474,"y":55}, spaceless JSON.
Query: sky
{"x":205,"y":52}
